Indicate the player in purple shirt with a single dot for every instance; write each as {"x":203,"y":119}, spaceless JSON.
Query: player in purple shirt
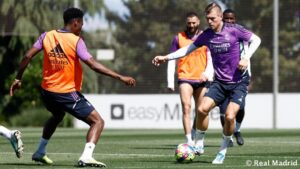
{"x":223,"y":41}
{"x":229,"y":17}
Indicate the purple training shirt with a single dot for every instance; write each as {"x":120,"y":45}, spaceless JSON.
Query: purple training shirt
{"x":225,"y":50}
{"x":81,"y":49}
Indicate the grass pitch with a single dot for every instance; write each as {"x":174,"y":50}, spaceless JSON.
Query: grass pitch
{"x":154,"y":149}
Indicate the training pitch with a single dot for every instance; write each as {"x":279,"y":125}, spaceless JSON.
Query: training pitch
{"x":154,"y":149}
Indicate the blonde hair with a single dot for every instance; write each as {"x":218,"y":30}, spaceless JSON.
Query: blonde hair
{"x":211,"y":6}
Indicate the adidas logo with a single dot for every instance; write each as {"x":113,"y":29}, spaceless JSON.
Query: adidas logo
{"x":57,"y":51}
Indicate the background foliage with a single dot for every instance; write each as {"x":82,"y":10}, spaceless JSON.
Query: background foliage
{"x":147,"y":30}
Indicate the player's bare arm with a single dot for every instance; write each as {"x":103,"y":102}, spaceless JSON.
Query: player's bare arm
{"x":24,"y":63}
{"x":175,"y":55}
{"x":99,"y":68}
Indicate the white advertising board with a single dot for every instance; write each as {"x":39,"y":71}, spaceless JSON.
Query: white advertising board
{"x":164,"y":111}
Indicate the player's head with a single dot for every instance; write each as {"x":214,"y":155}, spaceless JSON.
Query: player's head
{"x":229,"y":16}
{"x":73,"y":18}
{"x":192,"y":22}
{"x":214,"y":16}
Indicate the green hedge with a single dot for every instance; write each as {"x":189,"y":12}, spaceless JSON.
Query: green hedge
{"x":37,"y":117}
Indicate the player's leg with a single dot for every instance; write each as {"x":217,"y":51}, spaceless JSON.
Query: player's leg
{"x":223,"y":107}
{"x":186,"y":92}
{"x":237,"y":97}
{"x":14,"y":136}
{"x":48,"y":130}
{"x":198,"y":95}
{"x":228,"y":129}
{"x":96,"y":124}
{"x":87,"y":113}
{"x":193,"y":132}
{"x":237,"y":132}
{"x":52,"y":102}
{"x":213,"y":95}
{"x":241,"y":113}
{"x":202,"y":123}
{"x":230,"y":115}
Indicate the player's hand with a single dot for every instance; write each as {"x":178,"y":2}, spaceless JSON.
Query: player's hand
{"x":159,"y":59}
{"x":129,"y":81}
{"x":203,"y":78}
{"x":243,"y":64}
{"x":15,"y":85}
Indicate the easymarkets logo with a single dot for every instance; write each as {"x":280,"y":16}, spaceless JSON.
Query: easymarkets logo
{"x":164,"y":113}
{"x":117,"y":111}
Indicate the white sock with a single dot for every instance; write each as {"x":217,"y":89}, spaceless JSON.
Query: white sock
{"x":42,"y":146}
{"x":188,"y":138}
{"x":224,"y":145}
{"x":237,"y":127}
{"x":88,"y":151}
{"x":5,"y":132}
{"x":199,"y":138}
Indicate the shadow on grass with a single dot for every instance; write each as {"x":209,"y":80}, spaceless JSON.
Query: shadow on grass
{"x":166,"y":147}
{"x":35,"y":165}
{"x":175,"y":162}
{"x":280,"y":155}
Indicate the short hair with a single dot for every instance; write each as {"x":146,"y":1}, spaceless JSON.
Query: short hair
{"x":72,"y":13}
{"x":229,"y":11}
{"x":191,"y":14}
{"x":212,"y":6}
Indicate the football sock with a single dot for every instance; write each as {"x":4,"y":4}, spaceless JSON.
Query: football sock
{"x":199,"y":138}
{"x":193,"y":133}
{"x":224,"y":145}
{"x":42,"y":146}
{"x":222,"y":119}
{"x":188,"y":138}
{"x":5,"y":132}
{"x":88,"y":151}
{"x":237,"y":127}
{"x":240,"y":116}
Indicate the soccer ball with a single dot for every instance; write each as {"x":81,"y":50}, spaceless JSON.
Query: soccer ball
{"x":184,"y":153}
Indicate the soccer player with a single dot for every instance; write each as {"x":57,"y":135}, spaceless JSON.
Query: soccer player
{"x":229,"y":17}
{"x":193,"y":71}
{"x":61,"y":83}
{"x":14,"y":137}
{"x":222,"y":39}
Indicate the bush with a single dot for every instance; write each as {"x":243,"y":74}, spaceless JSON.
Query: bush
{"x":37,"y":117}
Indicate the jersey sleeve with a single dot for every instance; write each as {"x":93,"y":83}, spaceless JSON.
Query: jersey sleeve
{"x":175,"y":44}
{"x":82,"y":51}
{"x":201,"y":40}
{"x":209,"y":70}
{"x":39,"y":43}
{"x":242,"y":33}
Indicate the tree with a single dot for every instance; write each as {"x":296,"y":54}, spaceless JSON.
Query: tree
{"x":23,"y":22}
{"x":147,"y":31}
{"x":259,"y":18}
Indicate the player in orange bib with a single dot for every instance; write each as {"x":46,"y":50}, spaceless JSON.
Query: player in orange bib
{"x":61,"y":84}
{"x":193,"y":72}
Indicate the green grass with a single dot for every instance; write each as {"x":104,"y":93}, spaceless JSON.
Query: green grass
{"x":139,"y":149}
